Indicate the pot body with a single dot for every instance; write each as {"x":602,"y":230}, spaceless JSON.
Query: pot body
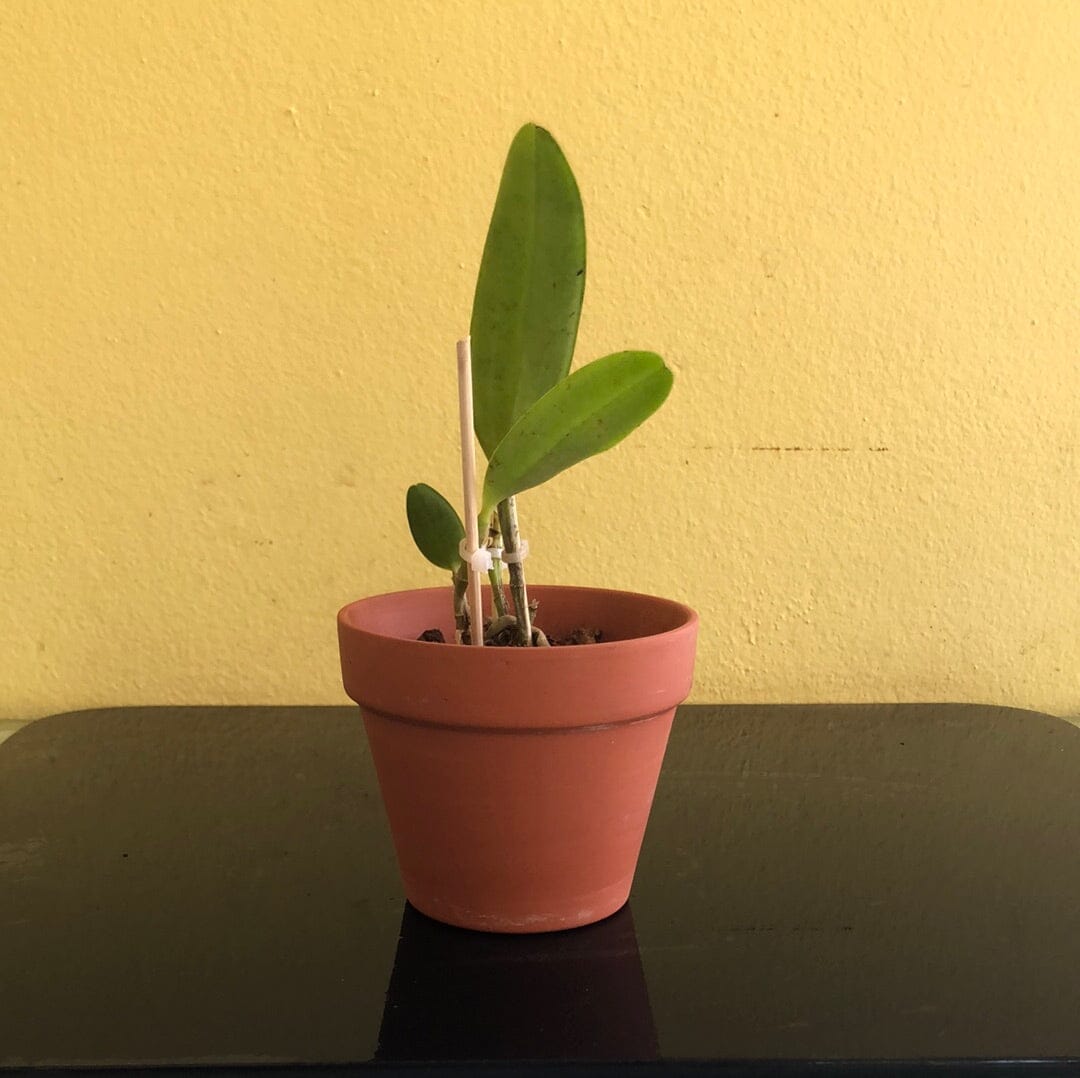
{"x":518,"y":781}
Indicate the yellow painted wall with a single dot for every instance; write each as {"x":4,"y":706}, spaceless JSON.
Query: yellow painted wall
{"x":238,"y":241}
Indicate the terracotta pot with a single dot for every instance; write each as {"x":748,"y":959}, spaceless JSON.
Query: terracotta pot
{"x":518,"y":781}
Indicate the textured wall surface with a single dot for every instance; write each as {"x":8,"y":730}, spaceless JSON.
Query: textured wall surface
{"x":238,"y":241}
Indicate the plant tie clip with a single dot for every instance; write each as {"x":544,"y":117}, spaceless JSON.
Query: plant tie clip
{"x":481,"y":559}
{"x":519,"y":555}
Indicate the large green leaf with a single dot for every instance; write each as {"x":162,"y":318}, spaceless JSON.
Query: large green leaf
{"x":586,"y":413}
{"x":436,"y":528}
{"x":530,"y":286}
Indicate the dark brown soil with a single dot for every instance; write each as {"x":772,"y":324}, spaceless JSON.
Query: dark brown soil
{"x":579,"y":636}
{"x":505,"y":638}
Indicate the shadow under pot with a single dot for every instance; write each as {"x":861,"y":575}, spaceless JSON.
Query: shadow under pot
{"x":460,"y":995}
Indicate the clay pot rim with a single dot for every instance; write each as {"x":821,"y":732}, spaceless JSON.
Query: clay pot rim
{"x":688,"y":623}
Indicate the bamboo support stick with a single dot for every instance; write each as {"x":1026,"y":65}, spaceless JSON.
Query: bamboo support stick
{"x":468,"y":483}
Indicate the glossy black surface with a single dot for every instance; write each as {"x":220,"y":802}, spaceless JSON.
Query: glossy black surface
{"x":216,"y":886}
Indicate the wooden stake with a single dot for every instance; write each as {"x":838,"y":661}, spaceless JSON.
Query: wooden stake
{"x":468,"y":483}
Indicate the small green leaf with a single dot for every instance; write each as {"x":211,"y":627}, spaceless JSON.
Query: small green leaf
{"x":530,"y":286}
{"x":586,"y":413}
{"x":435,"y":525}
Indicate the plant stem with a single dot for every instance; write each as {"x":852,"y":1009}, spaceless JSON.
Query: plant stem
{"x":495,"y":573}
{"x":461,"y":602}
{"x":509,"y":522}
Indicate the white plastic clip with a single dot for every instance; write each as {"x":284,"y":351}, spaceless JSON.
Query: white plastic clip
{"x":479,"y":559}
{"x":519,"y":555}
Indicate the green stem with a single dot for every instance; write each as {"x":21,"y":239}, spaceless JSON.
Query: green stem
{"x":461,"y":602}
{"x":509,"y":522}
{"x":495,"y":573}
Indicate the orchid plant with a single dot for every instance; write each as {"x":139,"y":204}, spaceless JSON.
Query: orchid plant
{"x":533,"y":418}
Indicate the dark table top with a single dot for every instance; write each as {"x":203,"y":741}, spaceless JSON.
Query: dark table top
{"x":216,"y":886}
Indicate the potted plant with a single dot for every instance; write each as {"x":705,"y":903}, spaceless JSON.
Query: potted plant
{"x":518,"y":775}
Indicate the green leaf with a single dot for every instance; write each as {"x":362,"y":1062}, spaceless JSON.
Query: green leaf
{"x":530,"y":286}
{"x":436,"y":528}
{"x":588,"y":412}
